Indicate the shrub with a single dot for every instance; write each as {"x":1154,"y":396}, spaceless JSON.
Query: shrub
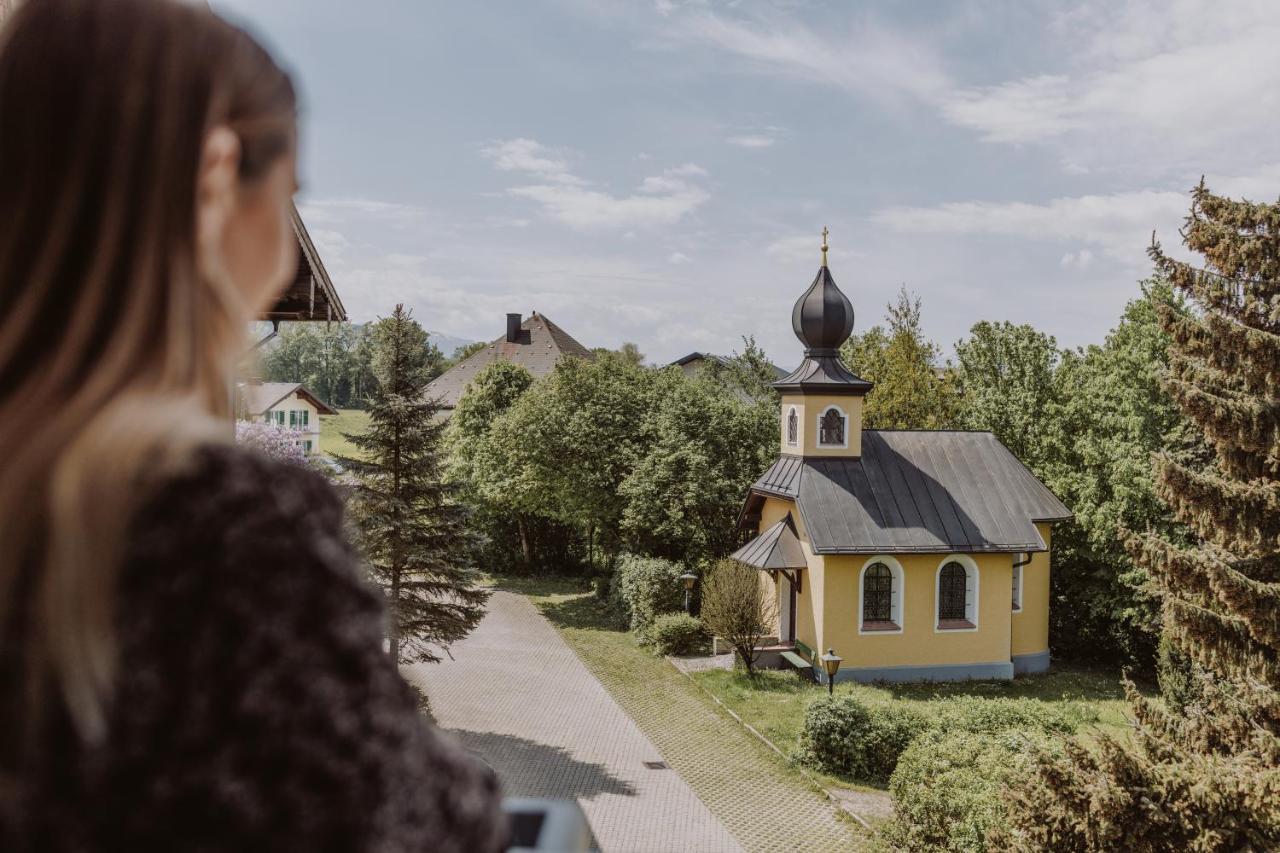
{"x":644,"y":588}
{"x":850,"y":737}
{"x":677,"y":634}
{"x":846,"y":736}
{"x":947,"y":787}
{"x":980,"y":715}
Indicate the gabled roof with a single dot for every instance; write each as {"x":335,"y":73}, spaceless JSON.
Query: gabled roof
{"x":776,"y":548}
{"x":258,"y":397}
{"x":915,"y":491}
{"x":540,"y":344}
{"x":311,"y":295}
{"x":708,"y":356}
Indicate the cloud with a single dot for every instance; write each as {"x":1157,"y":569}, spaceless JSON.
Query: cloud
{"x":1118,"y":224}
{"x":679,"y":258}
{"x":1163,"y":89}
{"x":805,"y":248}
{"x":868,"y":60}
{"x":530,"y":156}
{"x":750,"y":141}
{"x":658,"y":200}
{"x":1082,"y":259}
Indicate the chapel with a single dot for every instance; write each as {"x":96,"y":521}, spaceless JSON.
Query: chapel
{"x":913,"y":554}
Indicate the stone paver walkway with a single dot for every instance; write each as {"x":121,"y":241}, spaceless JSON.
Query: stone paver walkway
{"x":517,"y":694}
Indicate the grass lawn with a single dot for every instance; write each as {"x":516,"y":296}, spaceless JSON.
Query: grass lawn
{"x":333,"y":426}
{"x":775,"y":701}
{"x":760,"y":798}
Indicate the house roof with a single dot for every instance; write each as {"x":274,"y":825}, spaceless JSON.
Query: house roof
{"x":914,"y":491}
{"x":260,"y":396}
{"x":311,"y":295}
{"x":776,"y":548}
{"x":540,"y":344}
{"x":708,"y":356}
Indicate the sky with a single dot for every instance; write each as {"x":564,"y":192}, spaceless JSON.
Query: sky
{"x":660,"y":172}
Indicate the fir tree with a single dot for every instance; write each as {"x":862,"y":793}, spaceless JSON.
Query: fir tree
{"x":415,"y":534}
{"x":1207,"y":778}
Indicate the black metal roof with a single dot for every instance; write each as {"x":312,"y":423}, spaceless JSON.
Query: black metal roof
{"x":822,"y":317}
{"x":824,"y":375}
{"x":915,"y":491}
{"x":775,"y":548}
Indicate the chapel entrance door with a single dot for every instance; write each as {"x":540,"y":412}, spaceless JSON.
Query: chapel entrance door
{"x":786,"y":609}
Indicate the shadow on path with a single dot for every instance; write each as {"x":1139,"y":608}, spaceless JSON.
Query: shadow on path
{"x":530,"y":769}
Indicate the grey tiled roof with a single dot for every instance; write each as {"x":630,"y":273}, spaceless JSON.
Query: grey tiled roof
{"x":925,"y":491}
{"x":775,"y":548}
{"x":539,"y":346}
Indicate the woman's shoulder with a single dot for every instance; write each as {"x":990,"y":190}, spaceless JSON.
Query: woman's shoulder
{"x":239,"y":483}
{"x":229,"y":512}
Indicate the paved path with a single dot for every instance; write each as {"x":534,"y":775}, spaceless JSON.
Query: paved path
{"x":516,"y":694}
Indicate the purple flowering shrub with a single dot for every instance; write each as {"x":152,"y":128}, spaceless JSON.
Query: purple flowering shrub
{"x":275,"y":441}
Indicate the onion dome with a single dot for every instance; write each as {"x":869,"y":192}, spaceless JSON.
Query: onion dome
{"x":823,"y":320}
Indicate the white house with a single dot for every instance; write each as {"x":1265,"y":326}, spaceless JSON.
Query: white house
{"x":286,"y":404}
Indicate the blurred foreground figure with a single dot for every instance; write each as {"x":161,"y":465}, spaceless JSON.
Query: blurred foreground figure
{"x":188,"y":657}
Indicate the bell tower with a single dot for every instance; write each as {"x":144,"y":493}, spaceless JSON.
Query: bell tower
{"x":822,"y":399}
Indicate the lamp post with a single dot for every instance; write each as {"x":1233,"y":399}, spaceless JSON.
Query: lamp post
{"x":831,"y":663}
{"x":689,"y":579}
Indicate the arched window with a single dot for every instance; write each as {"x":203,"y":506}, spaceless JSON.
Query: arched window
{"x":880,"y":586}
{"x":951,"y":592}
{"x":831,"y":428}
{"x":877,"y":594}
{"x":957,"y":594}
{"x":793,"y":427}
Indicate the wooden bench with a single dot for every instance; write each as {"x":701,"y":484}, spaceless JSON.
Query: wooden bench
{"x":797,"y":659}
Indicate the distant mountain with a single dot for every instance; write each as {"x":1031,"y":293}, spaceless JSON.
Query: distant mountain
{"x":447,"y":343}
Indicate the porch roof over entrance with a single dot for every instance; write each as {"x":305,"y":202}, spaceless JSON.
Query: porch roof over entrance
{"x":776,"y":548}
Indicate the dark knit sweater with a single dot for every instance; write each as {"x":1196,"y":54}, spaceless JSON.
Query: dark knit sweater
{"x":254,"y":708}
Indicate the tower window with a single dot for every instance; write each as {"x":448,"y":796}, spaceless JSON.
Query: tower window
{"x":831,"y":428}
{"x":793,"y":427}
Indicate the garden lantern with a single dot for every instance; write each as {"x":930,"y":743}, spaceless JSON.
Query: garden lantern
{"x":831,"y":663}
{"x":689,"y":579}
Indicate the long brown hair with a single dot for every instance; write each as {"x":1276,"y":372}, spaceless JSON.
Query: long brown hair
{"x":117,"y":338}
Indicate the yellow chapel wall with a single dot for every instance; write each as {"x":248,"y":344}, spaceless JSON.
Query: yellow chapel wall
{"x":809,"y":408}
{"x":919,"y":643}
{"x":809,"y":598}
{"x":1031,"y":625}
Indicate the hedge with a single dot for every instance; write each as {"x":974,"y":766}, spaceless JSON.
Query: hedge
{"x":847,"y":736}
{"x":643,"y":588}
{"x":947,"y":787}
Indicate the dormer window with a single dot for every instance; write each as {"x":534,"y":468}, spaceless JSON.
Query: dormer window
{"x":831,"y":428}
{"x":793,"y":427}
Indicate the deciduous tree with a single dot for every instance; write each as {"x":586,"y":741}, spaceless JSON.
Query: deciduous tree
{"x":737,"y":608}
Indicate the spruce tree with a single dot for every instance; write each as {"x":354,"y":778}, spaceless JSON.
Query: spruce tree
{"x":415,"y":534}
{"x":1207,"y":778}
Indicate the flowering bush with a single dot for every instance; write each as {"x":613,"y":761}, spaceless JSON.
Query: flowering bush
{"x":275,"y":441}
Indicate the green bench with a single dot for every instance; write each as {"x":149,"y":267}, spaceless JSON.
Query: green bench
{"x":797,"y":658}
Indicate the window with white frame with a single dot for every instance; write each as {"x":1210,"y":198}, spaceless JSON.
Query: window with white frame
{"x":957,"y":594}
{"x":880,"y":595}
{"x":831,"y":428}
{"x":793,"y":427}
{"x":1019,"y":560}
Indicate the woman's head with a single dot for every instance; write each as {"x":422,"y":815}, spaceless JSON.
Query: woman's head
{"x":146,"y":171}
